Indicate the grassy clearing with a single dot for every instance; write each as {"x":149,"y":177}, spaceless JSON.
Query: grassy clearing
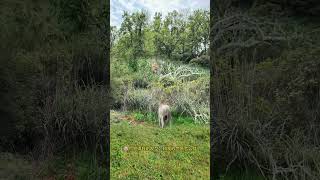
{"x":138,"y":126}
{"x":158,"y":164}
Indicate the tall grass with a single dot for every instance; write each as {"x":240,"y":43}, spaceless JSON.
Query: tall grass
{"x":76,"y":119}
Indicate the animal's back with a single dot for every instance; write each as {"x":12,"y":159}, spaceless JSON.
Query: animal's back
{"x":163,"y":108}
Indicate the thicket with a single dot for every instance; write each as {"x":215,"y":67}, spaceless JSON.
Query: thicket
{"x":266,"y":97}
{"x":53,"y":94}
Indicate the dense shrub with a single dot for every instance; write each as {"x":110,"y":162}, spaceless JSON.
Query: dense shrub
{"x":203,"y":60}
{"x":266,"y":105}
{"x":123,"y":79}
{"x":76,"y":119}
{"x":120,"y":80}
{"x":140,"y":83}
{"x":184,"y":57}
{"x":185,"y":88}
{"x":188,"y":98}
{"x":139,"y":99}
{"x":43,"y":63}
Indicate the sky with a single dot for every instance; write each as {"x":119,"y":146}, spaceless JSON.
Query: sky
{"x":164,"y":6}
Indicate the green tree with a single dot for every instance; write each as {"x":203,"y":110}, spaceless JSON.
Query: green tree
{"x":199,"y":31}
{"x":134,"y":25}
{"x":171,"y":32}
{"x":156,"y":27}
{"x":113,"y":35}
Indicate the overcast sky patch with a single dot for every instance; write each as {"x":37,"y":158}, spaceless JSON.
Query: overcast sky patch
{"x":117,"y":7}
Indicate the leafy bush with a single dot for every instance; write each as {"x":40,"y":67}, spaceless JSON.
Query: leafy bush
{"x":184,"y":87}
{"x":140,"y":83}
{"x":192,"y":100}
{"x":139,"y":99}
{"x":203,"y":60}
{"x":139,"y":116}
{"x":120,"y":80}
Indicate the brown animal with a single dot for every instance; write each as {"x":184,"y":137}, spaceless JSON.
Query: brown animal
{"x":155,"y":68}
{"x":164,"y":114}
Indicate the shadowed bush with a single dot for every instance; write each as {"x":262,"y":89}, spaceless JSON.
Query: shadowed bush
{"x":76,"y":119}
{"x":266,"y":106}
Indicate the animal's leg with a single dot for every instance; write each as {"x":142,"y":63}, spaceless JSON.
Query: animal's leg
{"x":162,"y":122}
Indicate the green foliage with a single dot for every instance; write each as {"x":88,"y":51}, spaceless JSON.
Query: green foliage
{"x":203,"y":60}
{"x":199,"y":30}
{"x":138,"y":116}
{"x":177,"y":83}
{"x":121,"y":79}
{"x":73,"y":15}
{"x":182,"y":120}
{"x":179,"y":33}
{"x":133,"y":25}
{"x":173,"y":36}
{"x":133,"y":65}
{"x":150,"y":49}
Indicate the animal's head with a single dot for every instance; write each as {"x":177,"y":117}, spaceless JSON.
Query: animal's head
{"x":164,"y":101}
{"x":154,"y":67}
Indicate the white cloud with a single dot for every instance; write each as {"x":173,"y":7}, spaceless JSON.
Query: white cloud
{"x":152,"y":6}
